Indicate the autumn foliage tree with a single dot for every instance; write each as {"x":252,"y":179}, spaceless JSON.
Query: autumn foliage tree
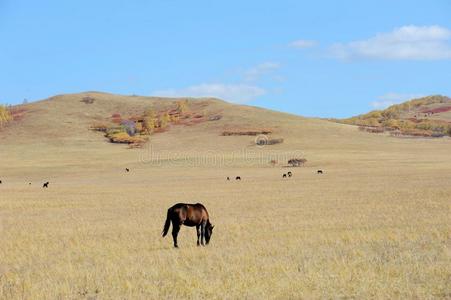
{"x":150,"y":121}
{"x":164,"y":120}
{"x":5,"y":115}
{"x":182,"y":106}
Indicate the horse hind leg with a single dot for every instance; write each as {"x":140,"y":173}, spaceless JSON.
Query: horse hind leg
{"x":175,"y":232}
{"x":198,"y":234}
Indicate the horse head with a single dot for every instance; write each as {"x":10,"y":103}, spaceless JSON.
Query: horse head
{"x":208,"y":232}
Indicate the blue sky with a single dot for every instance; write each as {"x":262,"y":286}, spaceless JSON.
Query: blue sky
{"x":313,"y":58}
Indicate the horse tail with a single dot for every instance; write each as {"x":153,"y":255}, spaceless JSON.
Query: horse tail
{"x":167,"y":224}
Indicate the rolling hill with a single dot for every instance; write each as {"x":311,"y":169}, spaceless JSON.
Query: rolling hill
{"x":67,"y":119}
{"x":428,"y":116}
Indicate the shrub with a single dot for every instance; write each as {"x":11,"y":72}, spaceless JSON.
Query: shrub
{"x":129,"y":127}
{"x":246,"y":132}
{"x":417,"y":133}
{"x":88,"y":100}
{"x":164,"y":120}
{"x":391,"y":123}
{"x":372,"y":129}
{"x":124,"y":138}
{"x":182,"y":106}
{"x":297,"y":162}
{"x":215,"y":118}
{"x":99,"y":127}
{"x":262,"y":142}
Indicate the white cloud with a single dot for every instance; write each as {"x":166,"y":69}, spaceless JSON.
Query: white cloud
{"x":303,"y":44}
{"x":404,"y":43}
{"x":392,"y":98}
{"x":238,"y":93}
{"x":262,"y":69}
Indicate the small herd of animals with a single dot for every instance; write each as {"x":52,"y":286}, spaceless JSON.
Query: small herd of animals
{"x":191,"y":215}
{"x":45,"y":185}
{"x":284,"y":175}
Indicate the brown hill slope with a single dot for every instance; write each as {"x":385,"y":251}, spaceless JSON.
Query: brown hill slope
{"x":67,"y":118}
{"x":428,"y":116}
{"x":54,"y":137}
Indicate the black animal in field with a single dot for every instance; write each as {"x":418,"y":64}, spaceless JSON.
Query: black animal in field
{"x":238,"y":178}
{"x":228,"y":178}
{"x":319,"y":172}
{"x":284,"y":176}
{"x":289,"y":174}
{"x":0,"y":182}
{"x":127,"y":170}
{"x":45,"y":185}
{"x":189,"y":215}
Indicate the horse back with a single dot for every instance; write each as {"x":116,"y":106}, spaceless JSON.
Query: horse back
{"x":190,"y":214}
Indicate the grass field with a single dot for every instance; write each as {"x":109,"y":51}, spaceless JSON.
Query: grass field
{"x":375,"y":225}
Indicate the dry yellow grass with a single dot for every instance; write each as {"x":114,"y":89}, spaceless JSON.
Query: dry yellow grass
{"x":375,"y":225}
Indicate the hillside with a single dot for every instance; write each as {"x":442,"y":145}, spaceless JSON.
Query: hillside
{"x":428,"y":116}
{"x":58,"y":130}
{"x":68,"y":119}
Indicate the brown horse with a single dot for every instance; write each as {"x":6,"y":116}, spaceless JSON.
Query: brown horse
{"x":189,"y":215}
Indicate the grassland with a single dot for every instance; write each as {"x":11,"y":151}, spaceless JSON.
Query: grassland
{"x":375,"y":225}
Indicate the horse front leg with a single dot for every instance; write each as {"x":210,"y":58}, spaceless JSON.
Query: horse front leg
{"x":175,"y":232}
{"x":202,"y":233}
{"x":198,"y":234}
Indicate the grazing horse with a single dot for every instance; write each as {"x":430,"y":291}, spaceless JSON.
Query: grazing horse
{"x":284,"y":176}
{"x":238,"y":178}
{"x":127,"y":170}
{"x":290,"y":174}
{"x":228,"y":178}
{"x":189,"y":215}
{"x":320,"y":172}
{"x":0,"y":182}
{"x":45,"y":185}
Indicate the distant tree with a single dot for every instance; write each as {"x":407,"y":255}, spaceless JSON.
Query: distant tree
{"x":182,"y":106}
{"x":129,"y":127}
{"x":5,"y":115}
{"x":391,"y":123}
{"x":164,"y":120}
{"x":150,"y":121}
{"x":88,"y":100}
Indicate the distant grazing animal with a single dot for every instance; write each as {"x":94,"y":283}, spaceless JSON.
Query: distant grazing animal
{"x":45,"y":185}
{"x":189,"y":215}
{"x":0,"y":182}
{"x":228,"y":178}
{"x":320,"y":171}
{"x":127,"y":170}
{"x":29,"y":183}
{"x":284,"y":176}
{"x":238,"y":178}
{"x":290,"y":174}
